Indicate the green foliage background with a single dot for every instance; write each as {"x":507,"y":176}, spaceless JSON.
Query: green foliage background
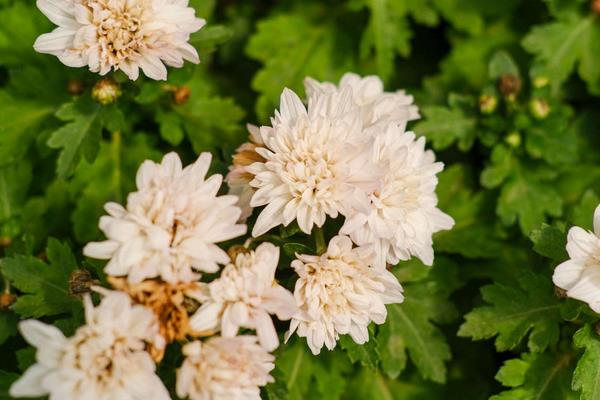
{"x":485,"y":321}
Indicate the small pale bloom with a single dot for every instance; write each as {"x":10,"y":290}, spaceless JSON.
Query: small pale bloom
{"x":376,"y":106}
{"x":105,"y":360}
{"x":239,"y":177}
{"x":171,"y":224}
{"x":580,"y":275}
{"x":120,"y":34}
{"x":244,"y":296}
{"x":403,"y":213}
{"x":338,"y":293}
{"x":224,"y":368}
{"x":316,"y":162}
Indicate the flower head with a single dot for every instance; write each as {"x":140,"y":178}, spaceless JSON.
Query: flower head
{"x":105,"y":360}
{"x":224,"y":368}
{"x":403,"y":213}
{"x":244,"y":296}
{"x":239,"y":177}
{"x":338,"y":293}
{"x":171,"y":224}
{"x":377,"y":107}
{"x":580,"y":275}
{"x":315,"y":162}
{"x":120,"y":34}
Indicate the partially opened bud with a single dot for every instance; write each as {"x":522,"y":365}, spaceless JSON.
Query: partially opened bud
{"x":106,"y":91}
{"x":488,"y":103}
{"x":539,"y":108}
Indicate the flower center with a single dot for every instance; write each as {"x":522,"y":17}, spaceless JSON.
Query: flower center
{"x":119,"y":29}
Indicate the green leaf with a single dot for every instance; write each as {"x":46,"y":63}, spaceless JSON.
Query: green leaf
{"x":537,"y":376}
{"x":45,"y":287}
{"x":552,"y":140}
{"x":108,"y":178}
{"x":367,"y":353}
{"x":502,"y":63}
{"x":20,"y":24}
{"x":528,"y":200}
{"x":14,"y":185}
{"x":306,"y":375}
{"x":19,"y":120}
{"x":445,"y":126}
{"x":410,"y":325}
{"x":6,"y":380}
{"x":8,"y":325}
{"x":373,"y":385}
{"x":209,"y":37}
{"x":550,"y":241}
{"x":292,"y":47}
{"x":502,"y":164}
{"x":560,"y":45}
{"x":586,"y":377}
{"x":583,"y":213}
{"x":79,"y":137}
{"x":210,"y":121}
{"x":515,"y":312}
{"x":387,"y":33}
{"x":473,"y":234}
{"x":170,"y":125}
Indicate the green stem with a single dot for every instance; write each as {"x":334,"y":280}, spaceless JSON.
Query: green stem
{"x":320,"y":241}
{"x":116,"y":154}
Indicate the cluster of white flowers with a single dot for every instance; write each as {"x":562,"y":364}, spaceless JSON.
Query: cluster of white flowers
{"x":345,"y":152}
{"x":122,"y":35}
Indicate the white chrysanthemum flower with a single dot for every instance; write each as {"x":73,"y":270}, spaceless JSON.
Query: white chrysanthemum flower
{"x":316,"y":161}
{"x":338,"y":293}
{"x":244,"y":296}
{"x":105,"y":360}
{"x":376,"y":106}
{"x":238,"y":177}
{"x":120,"y":34}
{"x":224,"y":368}
{"x":171,"y":224}
{"x":580,"y":275}
{"x":403,"y":214}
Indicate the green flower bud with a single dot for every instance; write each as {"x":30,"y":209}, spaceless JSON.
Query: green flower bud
{"x":539,"y":108}
{"x":540,"y":82}
{"x":513,"y":139}
{"x":488,"y":103}
{"x":106,"y":91}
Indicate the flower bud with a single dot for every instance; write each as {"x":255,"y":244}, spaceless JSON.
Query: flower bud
{"x":106,"y":91}
{"x":595,"y":7}
{"x":488,"y":104}
{"x":7,"y":300}
{"x":539,"y":108}
{"x":181,"y":95}
{"x":540,"y":82}
{"x":513,"y":139}
{"x":75,"y":87}
{"x":5,"y":241}
{"x":509,"y":85}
